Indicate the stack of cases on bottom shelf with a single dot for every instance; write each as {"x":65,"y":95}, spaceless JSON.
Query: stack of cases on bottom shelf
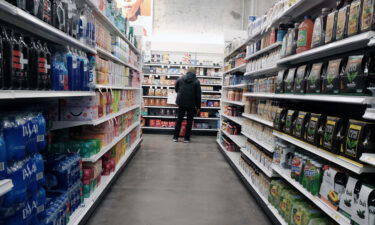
{"x":161,"y":74}
{"x":304,"y":137}
{"x":61,"y":152}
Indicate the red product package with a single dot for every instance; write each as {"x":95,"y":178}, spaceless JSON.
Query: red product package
{"x":171,"y":124}
{"x":152,"y":123}
{"x":158,"y":123}
{"x":165,"y":123}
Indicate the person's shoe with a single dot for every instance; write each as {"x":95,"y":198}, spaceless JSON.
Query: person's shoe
{"x":186,"y":141}
{"x":175,"y":140}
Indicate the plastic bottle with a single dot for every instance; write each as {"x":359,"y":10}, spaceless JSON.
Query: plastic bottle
{"x":81,"y":73}
{"x":7,"y":59}
{"x":86,"y":73}
{"x":23,"y":78}
{"x":92,"y":75}
{"x":281,"y":33}
{"x":33,"y":64}
{"x":76,"y":71}
{"x":43,"y":76}
{"x":292,"y":40}
{"x":69,"y":61}
{"x":47,"y":65}
{"x":33,"y":6}
{"x":15,"y":74}
{"x":82,"y":26}
{"x":305,"y":31}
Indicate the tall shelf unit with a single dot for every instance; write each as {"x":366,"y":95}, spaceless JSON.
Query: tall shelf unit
{"x":22,"y":20}
{"x":254,"y":122}
{"x":159,"y":80}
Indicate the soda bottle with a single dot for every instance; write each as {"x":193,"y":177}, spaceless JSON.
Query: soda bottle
{"x":7,"y":59}
{"x":15,"y":76}
{"x":81,"y":76}
{"x":33,"y":6}
{"x":76,"y":76}
{"x":82,"y":29}
{"x":58,"y":15}
{"x":48,"y":65}
{"x":42,"y":76}
{"x":33,"y":64}
{"x":21,"y":82}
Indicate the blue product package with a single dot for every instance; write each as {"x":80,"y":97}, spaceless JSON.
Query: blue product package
{"x":32,"y":130}
{"x":81,"y":76}
{"x":86,"y":74}
{"x":29,"y":174}
{"x":19,"y":191}
{"x":15,"y":131}
{"x":3,"y":158}
{"x":24,"y":214}
{"x":38,"y":160}
{"x":75,"y":71}
{"x":42,"y":132}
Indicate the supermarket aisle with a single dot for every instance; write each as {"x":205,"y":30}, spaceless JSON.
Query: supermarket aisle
{"x":170,"y":183}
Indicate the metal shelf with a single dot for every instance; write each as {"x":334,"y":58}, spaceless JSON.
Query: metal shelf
{"x":269,"y":173}
{"x":179,"y":75}
{"x":239,"y":47}
{"x":233,"y":102}
{"x":109,"y":146}
{"x":66,"y":124}
{"x":241,"y":68}
{"x":182,"y":65}
{"x":24,"y":20}
{"x":175,"y":107}
{"x":266,"y":146}
{"x":19,"y":94}
{"x":165,"y":97}
{"x":320,"y":98}
{"x":174,"y":117}
{"x":239,"y":140}
{"x":81,"y":212}
{"x":346,"y":45}
{"x":211,"y":92}
{"x":238,"y":120}
{"x":172,"y":128}
{"x":351,"y":165}
{"x":158,"y":86}
{"x":264,"y":71}
{"x":234,"y":158}
{"x":108,"y":55}
{"x":239,"y":86}
{"x":258,"y":119}
{"x":335,"y":215}
{"x":112,"y":27}
{"x":265,"y":50}
{"x":99,"y":86}
{"x":5,"y":186}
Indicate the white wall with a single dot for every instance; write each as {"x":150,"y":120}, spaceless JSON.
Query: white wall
{"x":199,"y":25}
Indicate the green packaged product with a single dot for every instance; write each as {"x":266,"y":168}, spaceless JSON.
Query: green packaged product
{"x":367,"y":15}
{"x":288,"y":198}
{"x":314,"y":79}
{"x":289,"y":81}
{"x":331,"y":80}
{"x":334,"y":130}
{"x":312,"y":176}
{"x":276,"y":188}
{"x":289,"y":121}
{"x":316,"y":123}
{"x":300,"y":125}
{"x":280,"y":81}
{"x":300,"y":79}
{"x":360,"y":138}
{"x":279,"y":120}
{"x":86,"y":148}
{"x":303,"y":213}
{"x":358,"y":74}
{"x":354,"y":17}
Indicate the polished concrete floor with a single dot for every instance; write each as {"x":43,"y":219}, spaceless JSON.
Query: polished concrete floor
{"x":170,"y":183}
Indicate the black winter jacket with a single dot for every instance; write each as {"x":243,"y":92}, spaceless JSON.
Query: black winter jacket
{"x":189,"y":92}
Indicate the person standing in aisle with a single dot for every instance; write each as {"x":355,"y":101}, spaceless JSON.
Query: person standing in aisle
{"x":188,"y":89}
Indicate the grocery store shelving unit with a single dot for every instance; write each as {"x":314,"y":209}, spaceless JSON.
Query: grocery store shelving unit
{"x":19,"y":18}
{"x":213,"y":82}
{"x":233,"y":159}
{"x":335,"y":215}
{"x":342,"y":47}
{"x":81,"y":215}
